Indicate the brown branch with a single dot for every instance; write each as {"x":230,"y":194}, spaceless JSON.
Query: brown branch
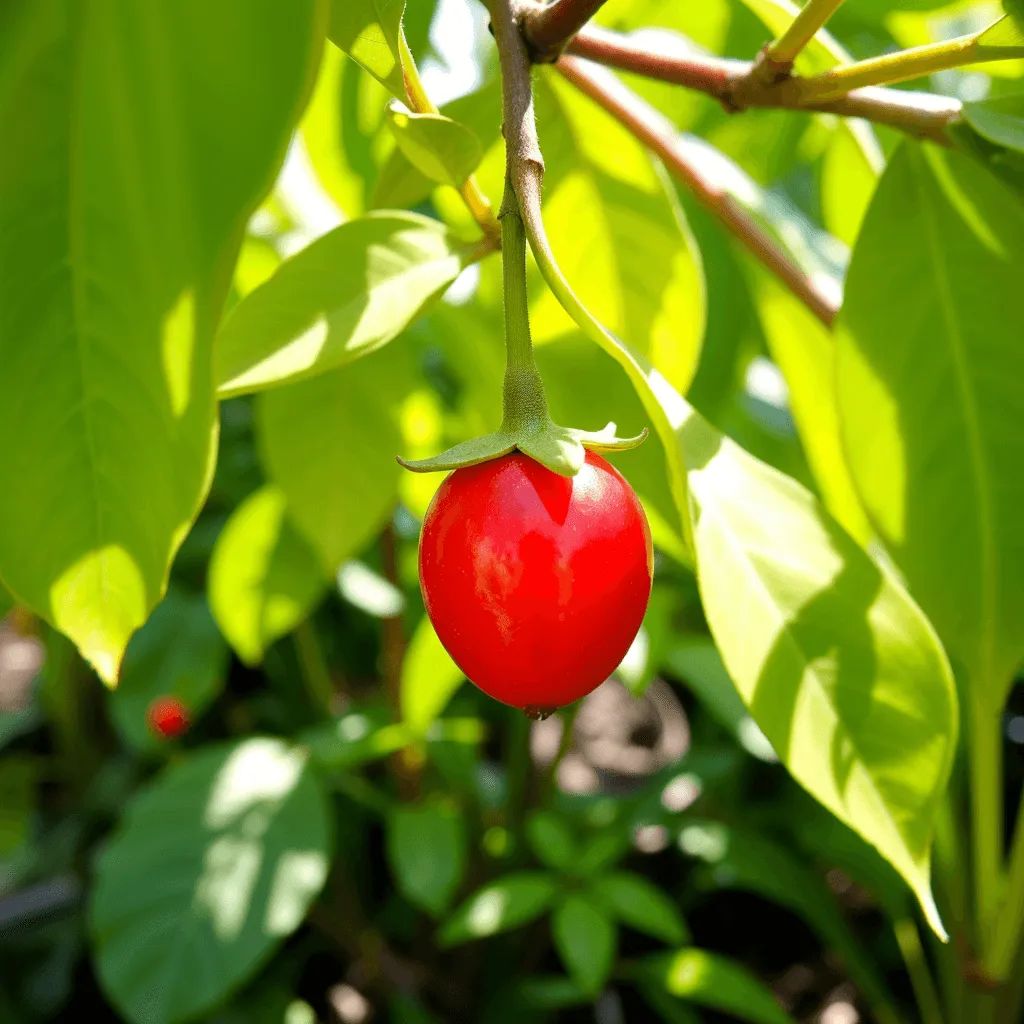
{"x":732,"y":83}
{"x":655,"y":132}
{"x":548,"y":28}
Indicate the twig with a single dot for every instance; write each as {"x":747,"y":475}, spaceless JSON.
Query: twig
{"x":812,"y":17}
{"x":652,"y":129}
{"x":925,"y":115}
{"x":547,"y":29}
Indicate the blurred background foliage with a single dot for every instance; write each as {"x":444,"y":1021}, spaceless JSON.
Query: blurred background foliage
{"x":349,"y":831}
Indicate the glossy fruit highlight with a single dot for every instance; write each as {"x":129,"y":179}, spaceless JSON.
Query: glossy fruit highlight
{"x":536,"y":583}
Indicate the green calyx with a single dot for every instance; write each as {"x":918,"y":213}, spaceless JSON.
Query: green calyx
{"x":526,"y":425}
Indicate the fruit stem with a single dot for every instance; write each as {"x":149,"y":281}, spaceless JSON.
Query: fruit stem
{"x":524,"y":405}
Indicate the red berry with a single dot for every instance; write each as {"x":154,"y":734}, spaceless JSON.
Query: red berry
{"x":167,"y":717}
{"x":536,"y":583}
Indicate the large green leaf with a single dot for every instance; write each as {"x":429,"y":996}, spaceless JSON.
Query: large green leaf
{"x":137,"y":140}
{"x":585,"y":938}
{"x":929,"y":367}
{"x":441,"y":149}
{"x":370,"y":31}
{"x":427,"y":851}
{"x":429,"y":678}
{"x":711,"y":980}
{"x":1000,"y":120}
{"x":213,"y":865}
{"x":330,"y":443}
{"x":264,"y":578}
{"x":347,"y":294}
{"x":179,"y":653}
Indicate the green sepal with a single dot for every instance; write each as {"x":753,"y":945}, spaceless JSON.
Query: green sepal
{"x":560,"y":449}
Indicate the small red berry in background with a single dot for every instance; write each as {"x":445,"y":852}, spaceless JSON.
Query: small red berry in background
{"x":536,"y":583}
{"x":167,"y":717}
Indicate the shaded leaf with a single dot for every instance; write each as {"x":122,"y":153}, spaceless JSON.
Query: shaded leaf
{"x":341,"y":297}
{"x":355,"y":738}
{"x":369,"y":31}
{"x":635,"y":901}
{"x":156,"y":150}
{"x":427,"y":850}
{"x":1000,"y":120}
{"x":552,"y":840}
{"x":264,"y":578}
{"x":443,"y":150}
{"x":429,"y":678}
{"x":507,"y":903}
{"x":586,"y":940}
{"x":932,"y":423}
{"x":178,"y":652}
{"x":212,"y":866}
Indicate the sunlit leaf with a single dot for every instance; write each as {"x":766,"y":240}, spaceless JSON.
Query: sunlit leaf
{"x":369,"y":32}
{"x":347,"y":294}
{"x":134,"y":152}
{"x":264,"y":578}
{"x":635,"y":901}
{"x":429,"y":678}
{"x":442,"y":150}
{"x":507,"y":903}
{"x":929,"y":365}
{"x":212,"y":866}
{"x":716,"y":982}
{"x":179,"y":653}
{"x":585,"y":939}
{"x":427,"y":851}
{"x":848,"y":180}
{"x":355,"y":738}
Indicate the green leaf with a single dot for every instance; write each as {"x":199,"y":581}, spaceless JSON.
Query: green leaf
{"x":1000,"y":120}
{"x":17,"y":802}
{"x":838,"y":666}
{"x":347,"y":294}
{"x":443,"y":150}
{"x":1004,"y":38}
{"x":585,"y":939}
{"x":1015,"y":9}
{"x":805,"y":351}
{"x":213,"y":865}
{"x":633,"y":900}
{"x":929,"y":360}
{"x":355,"y":738}
{"x":848,"y":179}
{"x":552,"y":840}
{"x":178,"y":652}
{"x":716,"y":982}
{"x":369,"y":31}
{"x":6,"y":601}
{"x":329,"y":443}
{"x":429,"y":678}
{"x":427,"y":851}
{"x":507,"y":903}
{"x":147,"y":133}
{"x":264,"y":578}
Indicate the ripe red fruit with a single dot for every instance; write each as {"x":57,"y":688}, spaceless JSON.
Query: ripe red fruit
{"x":536,"y":583}
{"x":167,"y":717}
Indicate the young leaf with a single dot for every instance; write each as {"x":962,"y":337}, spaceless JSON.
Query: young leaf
{"x":217,"y":861}
{"x":838,"y":666}
{"x":329,"y":444}
{"x":264,"y":578}
{"x":177,"y":652}
{"x":429,"y":678}
{"x":369,"y":31}
{"x":929,"y":362}
{"x":1000,"y":120}
{"x":551,"y":840}
{"x":716,"y":982}
{"x":586,"y":941}
{"x":154,"y":154}
{"x":635,"y":901}
{"x":427,"y":852}
{"x":443,"y":150}
{"x":347,"y":294}
{"x":508,"y":903}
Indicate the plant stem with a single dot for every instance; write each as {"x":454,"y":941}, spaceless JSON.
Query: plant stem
{"x":812,"y":17}
{"x":949,"y":865}
{"x":472,"y":195}
{"x":909,"y":940}
{"x":1009,"y":926}
{"x":652,"y":129}
{"x":901,"y":66}
{"x":315,"y":673}
{"x":922,"y":114}
{"x":568,"y":717}
{"x":985,"y":755}
{"x":548,"y":28}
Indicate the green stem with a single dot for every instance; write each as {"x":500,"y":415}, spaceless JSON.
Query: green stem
{"x":900,"y":66}
{"x":985,"y":753}
{"x":524,"y":402}
{"x":952,"y":893}
{"x":909,"y":940}
{"x":568,"y":717}
{"x":315,"y":673}
{"x":1009,"y":927}
{"x":812,"y":17}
